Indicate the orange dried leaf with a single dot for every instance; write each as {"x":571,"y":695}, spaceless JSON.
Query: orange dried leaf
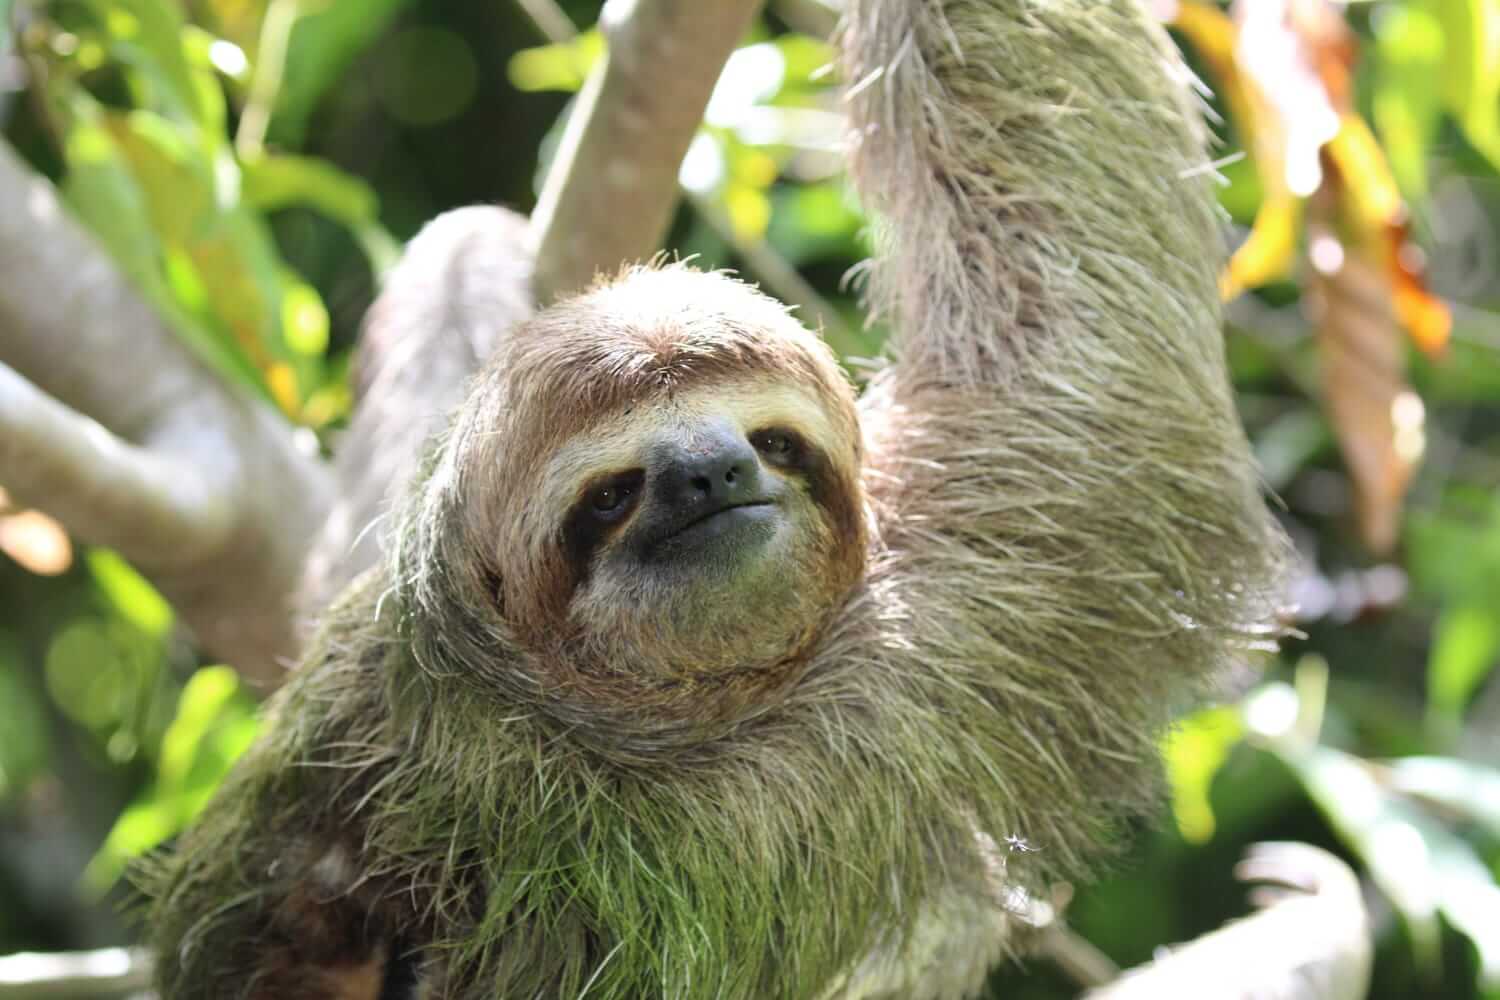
{"x":1372,"y":214}
{"x":1426,"y":317}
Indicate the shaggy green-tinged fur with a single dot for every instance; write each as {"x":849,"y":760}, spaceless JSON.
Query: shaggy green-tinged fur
{"x":1069,"y":546}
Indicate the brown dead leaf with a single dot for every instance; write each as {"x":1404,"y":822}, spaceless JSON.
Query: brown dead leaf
{"x":1376,"y":417}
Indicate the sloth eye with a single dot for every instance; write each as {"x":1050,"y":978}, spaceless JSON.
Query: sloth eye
{"x":610,"y":498}
{"x":777,"y":446}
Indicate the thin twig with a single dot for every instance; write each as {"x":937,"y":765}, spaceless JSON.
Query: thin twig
{"x":265,"y":81}
{"x":550,"y":19}
{"x":1077,"y":957}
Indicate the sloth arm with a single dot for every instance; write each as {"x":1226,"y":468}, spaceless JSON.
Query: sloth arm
{"x":1070,"y":531}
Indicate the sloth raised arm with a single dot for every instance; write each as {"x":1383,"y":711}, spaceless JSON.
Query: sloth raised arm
{"x":686,"y":674}
{"x":1072,"y":540}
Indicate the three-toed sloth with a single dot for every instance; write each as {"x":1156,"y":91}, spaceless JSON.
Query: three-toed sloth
{"x":687,"y":673}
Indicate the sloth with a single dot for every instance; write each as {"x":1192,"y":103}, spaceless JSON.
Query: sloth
{"x":688,"y":672}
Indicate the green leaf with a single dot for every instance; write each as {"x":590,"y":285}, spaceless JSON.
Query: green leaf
{"x":135,"y":599}
{"x":1194,"y":752}
{"x":208,"y":700}
{"x":5,"y":9}
{"x":1408,"y":96}
{"x":304,"y":320}
{"x":177,"y":180}
{"x":214,"y":725}
{"x":1466,"y":647}
{"x":275,"y":182}
{"x":103,"y":190}
{"x":563,"y":66}
{"x":323,"y":44}
{"x":1471,"y":65}
{"x":147,"y":36}
{"x":814,"y":222}
{"x":806,"y":60}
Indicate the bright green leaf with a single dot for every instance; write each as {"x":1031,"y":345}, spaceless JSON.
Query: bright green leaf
{"x":205,"y":697}
{"x":1471,"y":65}
{"x":147,"y":36}
{"x":1466,"y":647}
{"x":1194,"y":752}
{"x":274,"y":182}
{"x":304,"y":320}
{"x":1407,"y":90}
{"x":563,"y":66}
{"x":135,"y":599}
{"x":104,"y":191}
{"x":806,"y":59}
{"x":215,"y":724}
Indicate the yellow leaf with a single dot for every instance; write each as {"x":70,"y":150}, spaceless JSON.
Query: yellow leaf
{"x":1267,"y":254}
{"x":1370,"y":191}
{"x":282,"y":381}
{"x":749,"y":210}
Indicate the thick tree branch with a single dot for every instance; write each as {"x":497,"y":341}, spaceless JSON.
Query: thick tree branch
{"x":214,"y":503}
{"x":612,"y":189}
{"x":761,"y":261}
{"x":100,"y":486}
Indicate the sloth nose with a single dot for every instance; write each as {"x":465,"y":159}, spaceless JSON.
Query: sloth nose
{"x":718,"y":468}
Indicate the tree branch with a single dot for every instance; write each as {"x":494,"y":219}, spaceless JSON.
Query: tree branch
{"x":102,"y":487}
{"x":202,"y":487}
{"x":108,"y":972}
{"x":1311,"y":943}
{"x":611,"y":191}
{"x":760,"y":259}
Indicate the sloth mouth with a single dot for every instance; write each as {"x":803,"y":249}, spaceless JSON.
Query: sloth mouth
{"x":712,"y":523}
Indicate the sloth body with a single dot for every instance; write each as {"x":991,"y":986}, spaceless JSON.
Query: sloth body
{"x":689,"y":674}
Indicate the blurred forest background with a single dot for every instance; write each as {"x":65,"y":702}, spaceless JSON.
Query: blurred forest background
{"x":253,"y":165}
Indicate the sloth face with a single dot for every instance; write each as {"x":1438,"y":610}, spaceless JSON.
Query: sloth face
{"x":701,"y":529}
{"x":654,"y":492}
